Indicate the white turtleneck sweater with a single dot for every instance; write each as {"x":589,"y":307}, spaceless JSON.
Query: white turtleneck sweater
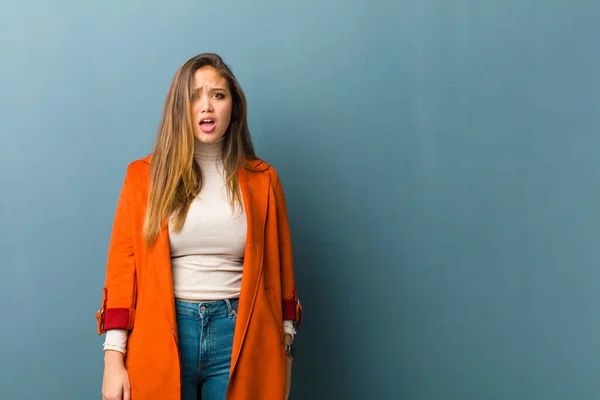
{"x":207,"y":255}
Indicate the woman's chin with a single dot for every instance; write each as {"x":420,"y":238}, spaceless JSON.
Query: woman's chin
{"x":208,"y":137}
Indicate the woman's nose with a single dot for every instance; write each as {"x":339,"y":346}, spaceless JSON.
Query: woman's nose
{"x":205,"y":104}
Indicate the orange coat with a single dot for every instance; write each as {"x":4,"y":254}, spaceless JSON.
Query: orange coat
{"x":139,"y":296}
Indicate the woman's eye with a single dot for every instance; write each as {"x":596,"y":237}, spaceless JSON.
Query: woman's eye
{"x":219,"y":95}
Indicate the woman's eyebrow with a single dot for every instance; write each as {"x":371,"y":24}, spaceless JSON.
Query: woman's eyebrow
{"x":210,"y":89}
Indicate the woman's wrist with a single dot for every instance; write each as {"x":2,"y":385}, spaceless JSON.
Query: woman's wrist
{"x":114,"y":357}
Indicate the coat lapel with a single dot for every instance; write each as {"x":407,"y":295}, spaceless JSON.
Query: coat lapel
{"x":160,"y":259}
{"x":254,"y":184}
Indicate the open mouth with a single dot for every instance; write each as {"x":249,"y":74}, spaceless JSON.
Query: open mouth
{"x":207,"y":125}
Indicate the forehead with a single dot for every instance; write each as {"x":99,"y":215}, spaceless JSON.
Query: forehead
{"x":208,"y":77}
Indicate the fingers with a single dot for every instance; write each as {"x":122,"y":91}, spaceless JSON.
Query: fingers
{"x":115,"y":384}
{"x":112,"y":396}
{"x":117,"y":396}
{"x":126,"y":392}
{"x":120,"y":392}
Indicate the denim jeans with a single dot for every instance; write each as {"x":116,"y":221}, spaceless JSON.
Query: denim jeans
{"x":205,"y":334}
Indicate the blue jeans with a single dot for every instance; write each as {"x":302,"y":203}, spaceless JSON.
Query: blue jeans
{"x":205,"y":334}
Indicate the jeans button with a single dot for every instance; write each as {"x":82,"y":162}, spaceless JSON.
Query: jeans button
{"x":202,"y":309}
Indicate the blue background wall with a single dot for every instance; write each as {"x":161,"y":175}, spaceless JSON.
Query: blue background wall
{"x":440,"y":160}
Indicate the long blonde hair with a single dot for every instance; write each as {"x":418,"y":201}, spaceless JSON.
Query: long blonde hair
{"x":175,"y":178}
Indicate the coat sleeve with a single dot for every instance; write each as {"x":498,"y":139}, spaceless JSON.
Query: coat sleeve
{"x":117,"y":310}
{"x":292,"y":309}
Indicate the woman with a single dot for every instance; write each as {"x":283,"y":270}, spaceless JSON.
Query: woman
{"x":200,"y":300}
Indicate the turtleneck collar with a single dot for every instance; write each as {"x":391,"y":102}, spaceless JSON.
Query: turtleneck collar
{"x":204,"y":152}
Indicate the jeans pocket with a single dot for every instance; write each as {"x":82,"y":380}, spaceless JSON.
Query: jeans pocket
{"x":184,"y":309}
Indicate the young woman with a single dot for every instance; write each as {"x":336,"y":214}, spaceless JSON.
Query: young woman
{"x":200,"y":299}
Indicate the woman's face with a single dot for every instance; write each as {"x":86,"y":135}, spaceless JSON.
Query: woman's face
{"x":211,"y":105}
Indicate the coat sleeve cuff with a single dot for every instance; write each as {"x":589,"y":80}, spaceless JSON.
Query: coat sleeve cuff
{"x":292,"y":311}
{"x":115,"y":318}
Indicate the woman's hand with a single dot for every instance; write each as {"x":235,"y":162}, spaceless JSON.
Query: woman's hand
{"x":288,"y":379}
{"x":288,"y":369}
{"x":115,"y":383}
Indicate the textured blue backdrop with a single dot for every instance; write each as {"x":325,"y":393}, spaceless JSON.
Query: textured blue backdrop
{"x":440,"y":161}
